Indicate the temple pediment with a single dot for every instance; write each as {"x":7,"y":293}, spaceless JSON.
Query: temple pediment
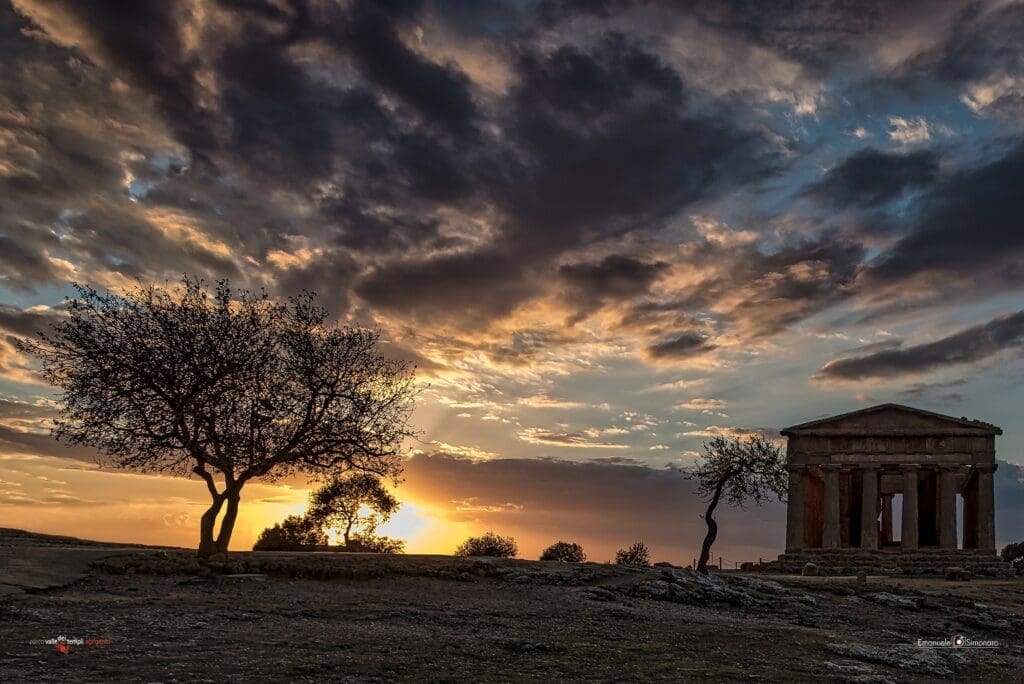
{"x":892,"y":419}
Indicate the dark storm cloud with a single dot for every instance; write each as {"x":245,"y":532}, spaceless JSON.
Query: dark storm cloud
{"x":599,"y":143}
{"x":615,"y":277}
{"x":816,"y":34}
{"x":683,"y":346}
{"x":967,"y":346}
{"x":439,"y":93}
{"x":270,"y":127}
{"x":24,"y":266}
{"x":768,"y":292}
{"x":22,"y":410}
{"x":869,"y":177}
{"x":968,"y":226}
{"x":981,"y":45}
{"x":940,"y":391}
{"x":27,"y":323}
{"x":36,"y":444}
{"x":142,"y":43}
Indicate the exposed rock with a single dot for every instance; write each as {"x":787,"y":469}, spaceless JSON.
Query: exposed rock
{"x":486,"y":568}
{"x":759,"y":585}
{"x":597,"y":594}
{"x":895,"y":601}
{"x":919,"y":660}
{"x":957,"y":574}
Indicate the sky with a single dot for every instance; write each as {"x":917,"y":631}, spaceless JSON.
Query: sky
{"x":604,"y":232}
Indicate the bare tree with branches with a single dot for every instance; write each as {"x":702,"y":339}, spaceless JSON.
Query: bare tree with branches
{"x":224,"y":384}
{"x":748,"y":469}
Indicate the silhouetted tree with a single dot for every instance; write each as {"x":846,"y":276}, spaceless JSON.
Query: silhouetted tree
{"x":751,"y":468}
{"x":295,"y":533}
{"x":352,"y":500}
{"x":224,"y":384}
{"x":1014,"y":555}
{"x":565,"y":552}
{"x":488,"y":544}
{"x":1012,"y":552}
{"x":636,"y":554}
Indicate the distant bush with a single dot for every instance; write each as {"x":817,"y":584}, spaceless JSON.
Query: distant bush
{"x":637,"y":554}
{"x":370,"y":543}
{"x":1012,"y":552}
{"x":489,"y":544}
{"x":295,"y":533}
{"x":1014,"y":555}
{"x":566,"y":552}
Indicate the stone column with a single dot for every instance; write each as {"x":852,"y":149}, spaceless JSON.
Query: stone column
{"x":909,"y":533}
{"x":947,"y":507}
{"x":830,"y":530}
{"x":986,"y":507}
{"x":795,"y":509}
{"x":886,"y":518}
{"x":869,"y":508}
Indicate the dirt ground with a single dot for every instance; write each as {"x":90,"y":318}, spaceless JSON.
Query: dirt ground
{"x":434,"y":618}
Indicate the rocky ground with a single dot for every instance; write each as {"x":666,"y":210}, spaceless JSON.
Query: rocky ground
{"x":354,"y":617}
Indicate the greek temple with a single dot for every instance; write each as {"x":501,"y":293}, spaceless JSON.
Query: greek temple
{"x":852,"y":475}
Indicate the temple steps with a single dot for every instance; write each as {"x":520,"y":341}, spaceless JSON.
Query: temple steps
{"x":919,"y":562}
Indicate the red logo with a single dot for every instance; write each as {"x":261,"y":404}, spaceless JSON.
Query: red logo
{"x":62,"y":647}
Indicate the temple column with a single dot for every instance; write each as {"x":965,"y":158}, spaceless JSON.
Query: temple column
{"x":886,"y":518}
{"x":830,"y":529}
{"x":986,"y":524}
{"x":869,"y":508}
{"x":947,"y":507}
{"x":795,"y":509}
{"x":908,"y":537}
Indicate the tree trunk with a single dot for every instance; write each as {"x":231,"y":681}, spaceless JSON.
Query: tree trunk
{"x":207,"y":545}
{"x":227,"y":525}
{"x":348,"y":531}
{"x":709,"y":538}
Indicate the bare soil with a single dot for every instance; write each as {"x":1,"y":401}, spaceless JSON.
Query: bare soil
{"x":356,"y":617}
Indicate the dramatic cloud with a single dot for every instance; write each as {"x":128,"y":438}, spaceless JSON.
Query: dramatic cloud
{"x":871,"y":176}
{"x":703,"y":404}
{"x":565,"y":439}
{"x":968,"y":226}
{"x":967,"y":346}
{"x":616,"y":276}
{"x":683,"y":346}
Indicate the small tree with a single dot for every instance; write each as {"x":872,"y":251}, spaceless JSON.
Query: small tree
{"x":295,"y":533}
{"x":229,"y":385}
{"x":488,"y":544}
{"x":565,"y":552}
{"x":637,"y":554}
{"x":741,"y":470}
{"x":352,"y":501}
{"x":1012,"y":552}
